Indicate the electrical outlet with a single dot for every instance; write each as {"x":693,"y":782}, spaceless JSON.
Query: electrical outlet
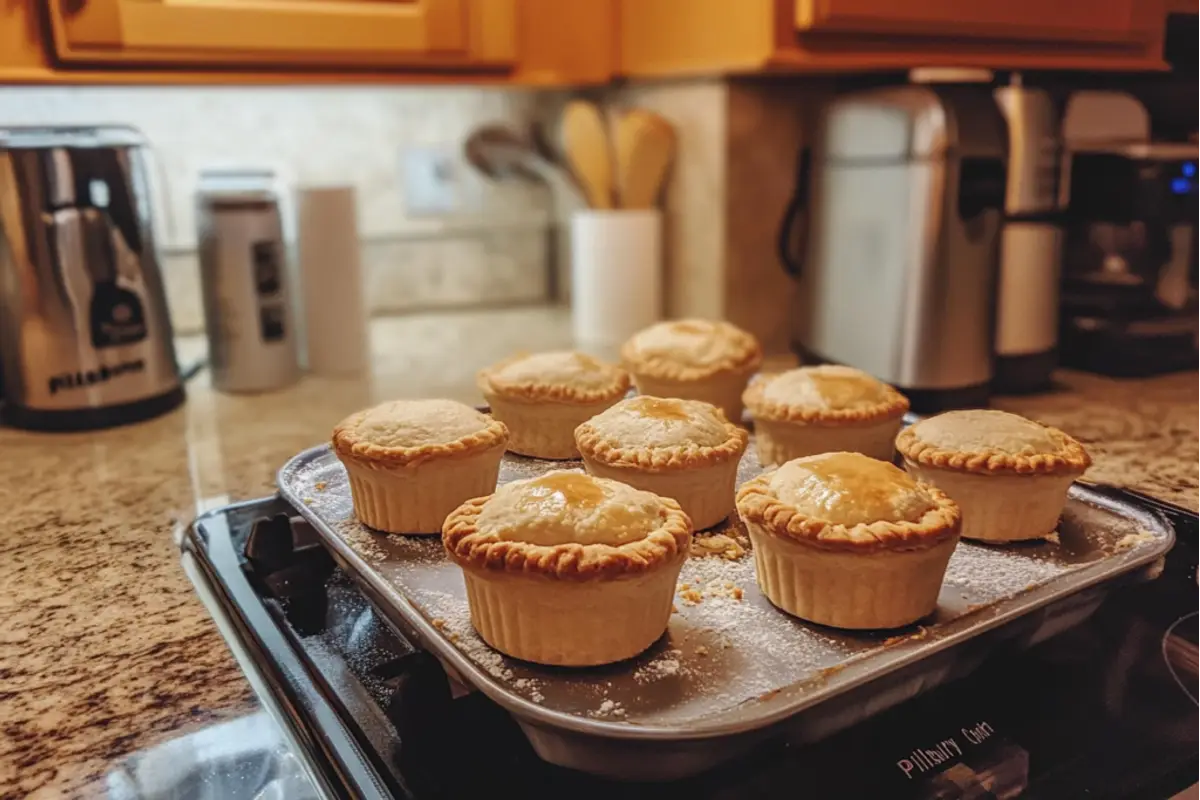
{"x":433,"y":180}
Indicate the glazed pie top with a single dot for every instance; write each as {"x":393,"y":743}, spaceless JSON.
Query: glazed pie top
{"x":848,"y":501}
{"x":991,"y":442}
{"x":825,"y":394}
{"x":567,"y":524}
{"x":562,"y":376}
{"x":656,"y":433}
{"x":691,"y":349}
{"x":409,"y":432}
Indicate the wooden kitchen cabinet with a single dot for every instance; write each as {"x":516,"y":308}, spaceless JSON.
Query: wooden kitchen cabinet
{"x":1069,"y":21}
{"x":382,"y":33}
{"x":525,"y":42}
{"x":672,"y":37}
{"x":560,"y":42}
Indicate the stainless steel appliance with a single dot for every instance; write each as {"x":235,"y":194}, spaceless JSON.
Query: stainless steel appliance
{"x":85,"y":337}
{"x":902,"y":236}
{"x":1129,"y":299}
{"x":1031,"y":246}
{"x":252,"y":342}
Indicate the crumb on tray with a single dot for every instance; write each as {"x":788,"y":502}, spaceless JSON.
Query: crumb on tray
{"x":695,"y":594}
{"x":1132,"y":540}
{"x":826,"y":672}
{"x":718,"y":544}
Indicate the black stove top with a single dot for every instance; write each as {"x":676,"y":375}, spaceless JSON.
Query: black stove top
{"x":1106,"y":709}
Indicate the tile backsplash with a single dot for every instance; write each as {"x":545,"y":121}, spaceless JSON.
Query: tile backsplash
{"x":491,"y":249}
{"x":731,"y":181}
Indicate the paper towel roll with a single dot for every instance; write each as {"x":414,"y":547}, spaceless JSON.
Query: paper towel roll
{"x":616,"y":274}
{"x":334,"y":297}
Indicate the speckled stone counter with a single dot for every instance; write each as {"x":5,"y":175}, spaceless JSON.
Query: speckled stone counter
{"x":105,"y":649}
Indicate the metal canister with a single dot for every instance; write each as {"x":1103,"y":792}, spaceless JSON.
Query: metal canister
{"x":252,"y":341}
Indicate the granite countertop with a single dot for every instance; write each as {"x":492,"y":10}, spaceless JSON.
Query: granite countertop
{"x":108,"y":651}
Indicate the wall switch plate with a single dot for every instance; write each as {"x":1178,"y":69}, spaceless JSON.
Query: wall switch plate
{"x":433,"y":180}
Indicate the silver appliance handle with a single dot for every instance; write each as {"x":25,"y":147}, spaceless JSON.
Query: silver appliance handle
{"x":254,"y":675}
{"x":327,"y":749}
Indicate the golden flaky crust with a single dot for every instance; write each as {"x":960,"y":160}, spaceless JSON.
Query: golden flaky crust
{"x":595,"y":445}
{"x":740,"y":352}
{"x":1068,"y":456}
{"x":348,"y":443}
{"x":468,"y":547}
{"x":615,"y":385}
{"x":757,"y":504}
{"x":892,"y":404}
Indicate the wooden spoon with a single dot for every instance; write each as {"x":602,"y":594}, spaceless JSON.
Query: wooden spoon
{"x":588,"y":151}
{"x":645,"y":149}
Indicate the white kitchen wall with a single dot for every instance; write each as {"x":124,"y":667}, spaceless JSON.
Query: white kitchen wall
{"x":491,"y":248}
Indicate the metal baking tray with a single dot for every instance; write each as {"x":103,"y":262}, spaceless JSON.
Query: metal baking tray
{"x":732,"y":669}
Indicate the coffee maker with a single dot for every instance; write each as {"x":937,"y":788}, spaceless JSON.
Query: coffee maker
{"x":1129,"y":292}
{"x":85,"y":338}
{"x":897,"y":214}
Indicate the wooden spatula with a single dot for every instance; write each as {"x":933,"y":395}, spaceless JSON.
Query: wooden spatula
{"x":645,"y":149}
{"x":588,"y":151}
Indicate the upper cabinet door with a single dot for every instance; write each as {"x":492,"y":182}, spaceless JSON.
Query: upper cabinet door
{"x":333,"y":33}
{"x":1079,"y":21}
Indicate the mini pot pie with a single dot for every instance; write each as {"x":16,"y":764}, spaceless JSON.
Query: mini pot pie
{"x":569,"y":569}
{"x":695,"y":359}
{"x":811,"y":410}
{"x":411,"y":462}
{"x":683,"y":449}
{"x":849,"y":541}
{"x":544,"y":397}
{"x":1009,"y":474}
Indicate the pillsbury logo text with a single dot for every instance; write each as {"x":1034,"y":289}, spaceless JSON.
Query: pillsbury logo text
{"x":91,"y":377}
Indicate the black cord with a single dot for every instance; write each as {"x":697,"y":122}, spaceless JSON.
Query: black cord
{"x":794,"y":214}
{"x":189,"y":371}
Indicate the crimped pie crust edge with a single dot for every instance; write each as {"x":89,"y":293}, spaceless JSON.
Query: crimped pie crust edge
{"x":747,"y":360}
{"x":894,"y":405}
{"x":347,"y":444}
{"x":1070,"y":458}
{"x":757,"y":504}
{"x":548,"y":391}
{"x":598,"y":447}
{"x":467,"y":547}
